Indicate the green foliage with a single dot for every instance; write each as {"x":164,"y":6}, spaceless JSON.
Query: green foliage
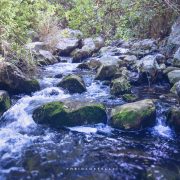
{"x":121,"y":18}
{"x":18,"y":17}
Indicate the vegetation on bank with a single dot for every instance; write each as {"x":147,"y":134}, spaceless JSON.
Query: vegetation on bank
{"x":21,"y":19}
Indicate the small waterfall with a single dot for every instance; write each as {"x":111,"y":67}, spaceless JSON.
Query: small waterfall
{"x":161,"y":127}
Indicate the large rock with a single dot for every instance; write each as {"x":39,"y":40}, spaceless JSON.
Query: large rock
{"x":109,"y":60}
{"x":174,"y":117}
{"x":73,"y":83}
{"x":120,"y":86}
{"x":144,"y":47}
{"x":174,"y":37}
{"x":89,"y":46}
{"x":169,"y":69}
{"x":149,"y":69}
{"x":135,"y":115}
{"x":92,"y":64}
{"x":113,"y":51}
{"x":106,"y":72}
{"x":176,"y":61}
{"x":5,"y":102}
{"x":174,"y":76}
{"x":149,"y":65}
{"x":13,"y":80}
{"x":45,"y":58}
{"x":59,"y":114}
{"x":66,"y":45}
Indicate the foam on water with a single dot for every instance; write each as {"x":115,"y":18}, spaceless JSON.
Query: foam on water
{"x":161,"y":128}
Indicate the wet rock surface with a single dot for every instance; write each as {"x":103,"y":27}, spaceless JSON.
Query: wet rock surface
{"x":59,"y":114}
{"x":13,"y":80}
{"x":134,"y":115}
{"x":73,"y":83}
{"x":5,"y":102}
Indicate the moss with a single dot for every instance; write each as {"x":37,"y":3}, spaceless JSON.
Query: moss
{"x":5,"y":104}
{"x":120,"y":86}
{"x":88,"y":115}
{"x":30,"y":86}
{"x":53,"y":113}
{"x":57,"y":115}
{"x":73,"y":83}
{"x":173,"y":117}
{"x":130,"y":97}
{"x":134,"y":115}
{"x":126,"y":119}
{"x":35,"y":84}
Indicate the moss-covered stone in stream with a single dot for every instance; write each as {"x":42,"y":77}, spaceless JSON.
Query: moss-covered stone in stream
{"x":120,"y":86}
{"x":56,"y":114}
{"x":174,"y":117}
{"x":31,"y":86}
{"x":129,"y":97}
{"x":91,"y":114}
{"x":134,"y":115}
{"x":53,"y":114}
{"x":5,"y":102}
{"x":73,"y":83}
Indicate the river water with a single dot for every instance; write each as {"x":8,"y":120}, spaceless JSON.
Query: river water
{"x":31,"y":151}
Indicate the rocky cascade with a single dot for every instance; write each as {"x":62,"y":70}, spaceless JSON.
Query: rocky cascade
{"x":123,"y":66}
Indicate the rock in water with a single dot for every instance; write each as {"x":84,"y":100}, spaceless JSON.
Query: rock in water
{"x":174,"y":76}
{"x":73,"y":83}
{"x":135,"y":115}
{"x":66,"y":45}
{"x":89,"y":46}
{"x":176,"y":61}
{"x":5,"y":102}
{"x":106,"y":72}
{"x":45,"y":58}
{"x":149,"y":65}
{"x":13,"y":80}
{"x":144,"y":47}
{"x":59,"y":114}
{"x":174,"y":37}
{"x":120,"y":86}
{"x":174,"y":117}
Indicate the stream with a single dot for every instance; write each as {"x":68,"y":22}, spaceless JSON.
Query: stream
{"x":32,"y":151}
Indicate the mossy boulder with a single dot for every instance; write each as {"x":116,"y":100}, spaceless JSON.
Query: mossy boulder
{"x":120,"y":86}
{"x":73,"y":83}
{"x":134,"y":116}
{"x":14,"y":80}
{"x":5,"y":102}
{"x":59,"y":114}
{"x":174,"y":117}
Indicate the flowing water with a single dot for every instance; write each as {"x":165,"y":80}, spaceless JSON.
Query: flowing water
{"x":31,"y":151}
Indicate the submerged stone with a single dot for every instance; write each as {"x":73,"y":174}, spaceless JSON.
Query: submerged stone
{"x":135,"y":115}
{"x":59,"y":114}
